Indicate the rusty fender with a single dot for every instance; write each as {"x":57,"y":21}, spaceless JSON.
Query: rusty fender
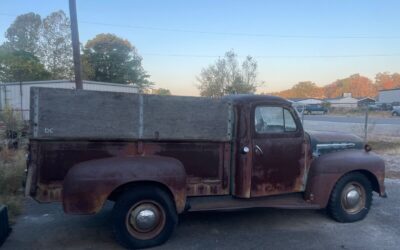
{"x":327,"y":169}
{"x":88,"y":184}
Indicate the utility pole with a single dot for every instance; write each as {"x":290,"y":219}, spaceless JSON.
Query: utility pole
{"x":75,"y":44}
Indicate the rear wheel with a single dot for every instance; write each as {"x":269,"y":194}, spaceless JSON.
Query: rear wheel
{"x":351,"y":198}
{"x":144,"y":217}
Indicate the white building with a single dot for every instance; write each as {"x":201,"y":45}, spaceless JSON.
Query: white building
{"x":343,"y":102}
{"x":389,"y":95}
{"x":17,"y":95}
{"x":309,"y":101}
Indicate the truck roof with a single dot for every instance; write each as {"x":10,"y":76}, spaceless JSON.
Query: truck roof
{"x":248,"y":98}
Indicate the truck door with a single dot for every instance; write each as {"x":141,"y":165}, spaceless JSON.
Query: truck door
{"x":278,"y":158}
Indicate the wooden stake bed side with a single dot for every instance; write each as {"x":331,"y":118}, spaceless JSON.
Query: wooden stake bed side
{"x":82,"y":114}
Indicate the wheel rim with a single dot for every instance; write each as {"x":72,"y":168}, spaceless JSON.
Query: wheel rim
{"x":353,"y":198}
{"x":145,"y":220}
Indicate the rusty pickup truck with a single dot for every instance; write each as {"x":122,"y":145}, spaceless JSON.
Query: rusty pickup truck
{"x":159,"y":156}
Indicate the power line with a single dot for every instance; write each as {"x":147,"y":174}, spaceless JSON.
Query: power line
{"x":240,"y":34}
{"x":205,"y":32}
{"x":273,"y":56}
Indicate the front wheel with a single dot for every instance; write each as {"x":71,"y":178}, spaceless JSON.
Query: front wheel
{"x":144,"y":217}
{"x":351,"y":198}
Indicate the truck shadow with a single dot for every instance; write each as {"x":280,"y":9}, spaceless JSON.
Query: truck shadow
{"x":45,"y":226}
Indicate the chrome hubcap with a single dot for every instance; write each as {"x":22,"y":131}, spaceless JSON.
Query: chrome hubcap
{"x":145,"y":220}
{"x":353,"y":198}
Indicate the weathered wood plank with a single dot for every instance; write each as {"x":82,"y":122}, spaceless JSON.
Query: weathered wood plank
{"x":85,"y":114}
{"x":61,"y":113}
{"x":170,"y":117}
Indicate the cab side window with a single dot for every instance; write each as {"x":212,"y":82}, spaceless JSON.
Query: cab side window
{"x":273,"y":120}
{"x":290,"y":124}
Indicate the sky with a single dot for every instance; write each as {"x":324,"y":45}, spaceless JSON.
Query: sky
{"x":292,"y":41}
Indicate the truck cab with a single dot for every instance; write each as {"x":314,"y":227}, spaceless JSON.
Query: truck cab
{"x":264,"y":159}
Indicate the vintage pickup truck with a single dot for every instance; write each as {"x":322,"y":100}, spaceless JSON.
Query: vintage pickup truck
{"x":160,"y":156}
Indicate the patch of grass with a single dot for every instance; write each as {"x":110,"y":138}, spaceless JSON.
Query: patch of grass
{"x":392,"y":174}
{"x":12,"y":166}
{"x":360,"y":112}
{"x":388,"y":147}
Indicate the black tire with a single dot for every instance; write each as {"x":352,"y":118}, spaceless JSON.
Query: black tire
{"x":336,"y":206}
{"x":125,"y":232}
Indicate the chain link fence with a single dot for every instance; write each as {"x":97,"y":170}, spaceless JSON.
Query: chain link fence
{"x":367,"y":121}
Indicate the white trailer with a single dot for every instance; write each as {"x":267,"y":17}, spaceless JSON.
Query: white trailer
{"x":389,"y":96}
{"x":16,"y":95}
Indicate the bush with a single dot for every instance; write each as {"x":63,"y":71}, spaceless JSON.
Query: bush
{"x":11,"y":128}
{"x":12,"y":166}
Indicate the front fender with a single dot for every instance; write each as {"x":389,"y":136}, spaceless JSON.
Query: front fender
{"x":327,"y":169}
{"x":88,"y":184}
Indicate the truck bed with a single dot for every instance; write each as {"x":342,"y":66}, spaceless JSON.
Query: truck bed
{"x":207,"y":163}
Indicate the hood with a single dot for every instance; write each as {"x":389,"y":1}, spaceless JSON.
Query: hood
{"x":323,"y":142}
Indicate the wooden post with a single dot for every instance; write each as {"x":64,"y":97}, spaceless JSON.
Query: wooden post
{"x":75,"y":44}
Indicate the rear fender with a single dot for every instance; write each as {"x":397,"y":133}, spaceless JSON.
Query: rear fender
{"x":327,"y":169}
{"x":88,"y":184}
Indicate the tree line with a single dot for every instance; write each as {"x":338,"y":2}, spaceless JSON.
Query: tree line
{"x":357,"y":85}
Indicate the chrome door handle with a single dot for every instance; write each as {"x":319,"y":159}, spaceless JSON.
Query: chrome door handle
{"x":258,"y":150}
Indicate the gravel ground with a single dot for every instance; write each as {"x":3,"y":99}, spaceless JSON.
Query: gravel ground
{"x":392,"y":164}
{"x":45,"y":226}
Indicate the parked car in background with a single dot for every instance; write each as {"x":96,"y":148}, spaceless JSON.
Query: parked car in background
{"x":315,"y":109}
{"x":396,"y":111}
{"x":380,"y":107}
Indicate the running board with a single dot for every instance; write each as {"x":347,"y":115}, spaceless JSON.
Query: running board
{"x":287,"y":201}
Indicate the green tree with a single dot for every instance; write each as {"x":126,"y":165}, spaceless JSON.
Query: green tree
{"x":55,"y":45}
{"x":225,"y":76}
{"x":16,"y":66}
{"x":23,"y":33}
{"x":110,"y":58}
{"x":161,"y":91}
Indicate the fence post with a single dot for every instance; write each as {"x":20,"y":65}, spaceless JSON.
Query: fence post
{"x":366,"y":124}
{"x":20,"y":100}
